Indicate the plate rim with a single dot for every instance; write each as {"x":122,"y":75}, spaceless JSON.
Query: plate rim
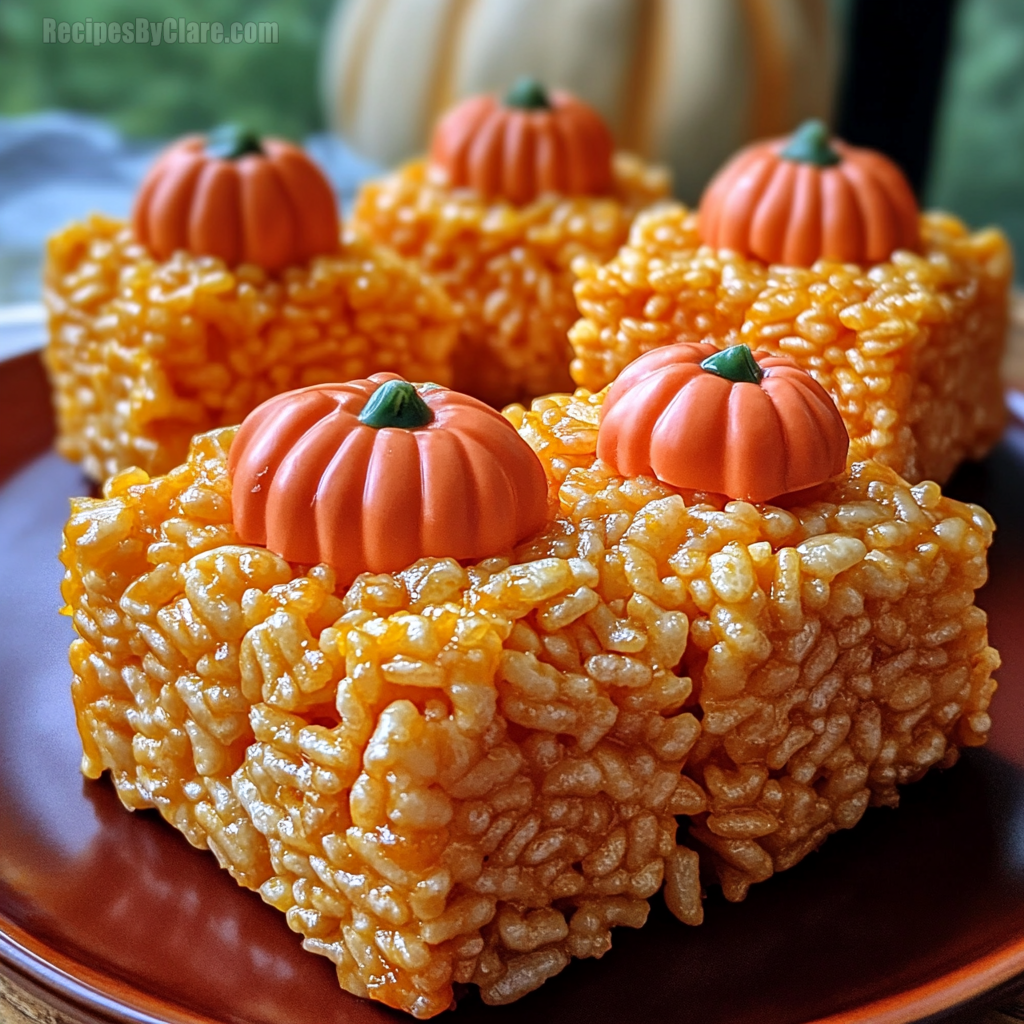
{"x":86,"y":989}
{"x":85,"y":992}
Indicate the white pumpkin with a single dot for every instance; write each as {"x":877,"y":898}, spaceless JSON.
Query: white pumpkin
{"x":683,"y":82}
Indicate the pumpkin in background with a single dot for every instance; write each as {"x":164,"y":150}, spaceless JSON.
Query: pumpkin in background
{"x":374,"y":474}
{"x":682,"y":82}
{"x":806,"y":197}
{"x":238,"y":197}
{"x":747,"y":425}
{"x":523,"y":145}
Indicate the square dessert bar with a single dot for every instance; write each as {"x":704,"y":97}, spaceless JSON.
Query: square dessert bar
{"x":835,"y":648}
{"x":414,"y":770}
{"x":909,"y":349}
{"x":508,"y":268}
{"x":471,"y":773}
{"x":143,"y":354}
{"x":513,"y":188}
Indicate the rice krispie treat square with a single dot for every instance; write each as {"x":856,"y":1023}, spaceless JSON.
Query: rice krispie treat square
{"x":143,"y":353}
{"x":415,"y":769}
{"x":835,"y":648}
{"x":231,"y":283}
{"x":513,"y":191}
{"x":909,"y":349}
{"x":470,"y":773}
{"x":808,"y":247}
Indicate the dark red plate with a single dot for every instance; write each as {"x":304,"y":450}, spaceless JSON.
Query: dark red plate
{"x":111,"y":916}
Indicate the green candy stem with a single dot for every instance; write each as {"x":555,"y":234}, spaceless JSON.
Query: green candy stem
{"x":230,"y":141}
{"x":735,"y":363}
{"x":396,"y":404}
{"x":809,"y":144}
{"x":528,"y":94}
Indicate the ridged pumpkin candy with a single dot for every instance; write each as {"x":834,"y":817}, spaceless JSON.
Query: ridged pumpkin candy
{"x":242,"y":198}
{"x":372,"y":475}
{"x":524,"y":145}
{"x":748,"y":425}
{"x":807,"y":197}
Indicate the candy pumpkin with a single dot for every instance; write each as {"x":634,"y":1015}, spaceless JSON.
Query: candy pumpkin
{"x":807,"y":197}
{"x":748,"y":425}
{"x":239,"y":197}
{"x":374,"y":474}
{"x":529,"y":143}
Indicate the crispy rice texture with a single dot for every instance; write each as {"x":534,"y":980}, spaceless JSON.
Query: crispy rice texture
{"x":143,"y":354}
{"x":470,"y":774}
{"x":508,"y":269}
{"x":910,"y":349}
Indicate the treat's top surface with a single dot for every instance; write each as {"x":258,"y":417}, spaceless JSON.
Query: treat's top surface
{"x":371,"y":475}
{"x":532,"y":141}
{"x":810,"y":196}
{"x":237,"y":196}
{"x":745,"y":424}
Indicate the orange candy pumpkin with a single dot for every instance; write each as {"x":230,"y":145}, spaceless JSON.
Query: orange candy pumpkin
{"x":529,"y":143}
{"x":807,"y":197}
{"x":239,"y":197}
{"x":373,"y":474}
{"x":748,"y":425}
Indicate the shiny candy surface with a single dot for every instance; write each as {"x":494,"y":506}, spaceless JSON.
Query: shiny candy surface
{"x":313,"y":482}
{"x":803,"y":198}
{"x":522,"y":148}
{"x":710,"y":427}
{"x":245,"y":200}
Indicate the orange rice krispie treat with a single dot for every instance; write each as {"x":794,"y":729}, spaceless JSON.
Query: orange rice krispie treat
{"x":834,"y":644}
{"x":814,"y":249}
{"x":468,"y":773}
{"x":230,"y":285}
{"x":511,"y":194}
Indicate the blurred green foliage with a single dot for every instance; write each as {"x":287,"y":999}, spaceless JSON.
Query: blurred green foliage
{"x":164,"y":90}
{"x":978,"y":162}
